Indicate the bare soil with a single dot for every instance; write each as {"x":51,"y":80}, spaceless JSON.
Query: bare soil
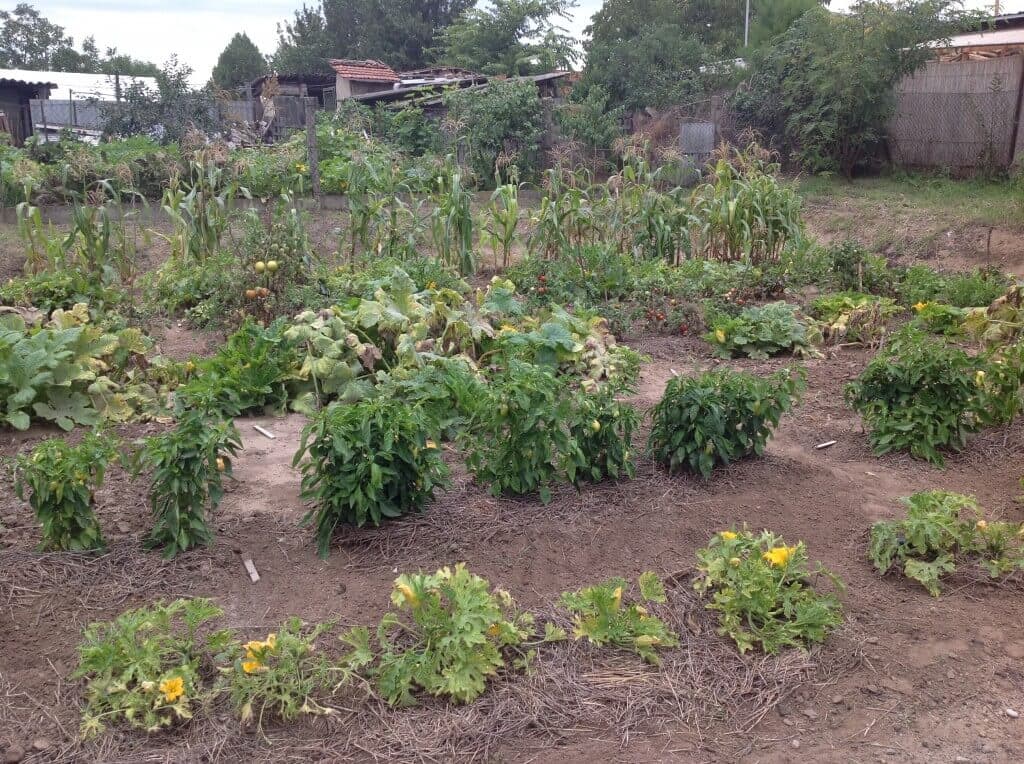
{"x":909,"y":678}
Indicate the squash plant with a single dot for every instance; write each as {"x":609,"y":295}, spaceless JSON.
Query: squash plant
{"x":368,"y":462}
{"x":62,"y":479}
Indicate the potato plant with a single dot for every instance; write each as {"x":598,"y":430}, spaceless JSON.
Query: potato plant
{"x":762,"y":590}
{"x":719,"y":416}
{"x":188,"y":466}
{"x":61,"y":480}
{"x":368,"y":462}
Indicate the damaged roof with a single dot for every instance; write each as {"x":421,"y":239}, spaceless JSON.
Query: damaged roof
{"x":364,"y":71}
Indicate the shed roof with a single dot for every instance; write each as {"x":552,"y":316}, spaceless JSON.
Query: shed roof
{"x":101,"y":86}
{"x":364,"y":71}
{"x":6,"y":80}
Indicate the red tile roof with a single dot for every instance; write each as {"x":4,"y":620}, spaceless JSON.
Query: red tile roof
{"x":364,"y":71}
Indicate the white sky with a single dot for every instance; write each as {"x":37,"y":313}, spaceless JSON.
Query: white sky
{"x":198,"y":30}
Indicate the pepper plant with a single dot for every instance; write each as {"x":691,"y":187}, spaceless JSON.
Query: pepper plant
{"x":62,"y":479}
{"x":189,"y":464}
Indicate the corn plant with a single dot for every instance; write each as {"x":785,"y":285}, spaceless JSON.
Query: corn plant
{"x":189,"y":464}
{"x":62,"y":480}
{"x":503,"y":222}
{"x":452,"y":221}
{"x":201,"y":210}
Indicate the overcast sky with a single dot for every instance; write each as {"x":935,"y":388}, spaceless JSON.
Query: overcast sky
{"x":198,"y":30}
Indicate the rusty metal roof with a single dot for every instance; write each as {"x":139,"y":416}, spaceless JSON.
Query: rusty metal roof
{"x":364,"y":71}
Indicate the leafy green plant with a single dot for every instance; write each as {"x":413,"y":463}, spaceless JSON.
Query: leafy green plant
{"x":600,"y":617}
{"x":921,"y":284}
{"x":369,"y":462}
{"x":762,"y":591}
{"x":719,"y":416}
{"x":279,"y":676}
{"x":853,"y":316}
{"x":62,"y":479}
{"x":918,"y":395}
{"x":603,"y":430}
{"x":759,"y":332}
{"x":189,"y":464}
{"x":941,"y":527}
{"x":938,"y":318}
{"x":520,"y":444}
{"x":144,"y":666}
{"x":452,"y":221}
{"x":457,"y":637}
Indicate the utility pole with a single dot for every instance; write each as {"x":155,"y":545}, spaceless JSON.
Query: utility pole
{"x":746,"y":24}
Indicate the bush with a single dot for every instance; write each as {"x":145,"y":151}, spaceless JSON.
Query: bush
{"x":600,"y":618}
{"x":189,"y":464}
{"x":759,"y":332}
{"x":520,"y":443}
{"x":62,"y":479}
{"x":603,"y":430}
{"x":762,"y":590}
{"x":941,"y":526}
{"x":719,"y":416}
{"x":920,"y":284}
{"x":504,"y":120}
{"x":369,"y":462}
{"x":457,"y":639}
{"x":918,"y":395}
{"x":143,"y":667}
{"x":48,"y":290}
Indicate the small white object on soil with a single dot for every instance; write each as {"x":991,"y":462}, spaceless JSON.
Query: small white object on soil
{"x":1012,"y":713}
{"x":266,"y":433}
{"x":254,"y":575}
{"x":826,"y":444}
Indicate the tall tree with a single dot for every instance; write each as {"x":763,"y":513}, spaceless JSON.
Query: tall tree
{"x":510,"y":37}
{"x":399,"y":32}
{"x":29,"y":41}
{"x":239,"y":63}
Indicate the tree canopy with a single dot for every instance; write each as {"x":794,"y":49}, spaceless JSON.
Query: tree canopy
{"x":30,"y":41}
{"x":398,"y":32}
{"x":239,"y":63}
{"x":511,"y":37}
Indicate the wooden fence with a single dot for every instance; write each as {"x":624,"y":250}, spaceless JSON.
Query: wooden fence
{"x":960,"y":115}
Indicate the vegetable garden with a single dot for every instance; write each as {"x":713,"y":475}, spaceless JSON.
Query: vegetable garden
{"x":482,"y":468}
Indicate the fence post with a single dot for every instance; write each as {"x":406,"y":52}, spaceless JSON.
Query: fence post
{"x":312,"y":151}
{"x":1016,"y":118}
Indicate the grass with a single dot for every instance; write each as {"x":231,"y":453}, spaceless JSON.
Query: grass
{"x":978,"y":202}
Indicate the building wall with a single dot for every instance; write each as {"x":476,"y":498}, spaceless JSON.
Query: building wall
{"x":13,"y":104}
{"x":347,"y":88}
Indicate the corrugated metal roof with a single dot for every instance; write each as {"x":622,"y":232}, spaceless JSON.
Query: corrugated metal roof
{"x":100,"y":86}
{"x":364,"y":71}
{"x":16,"y":81}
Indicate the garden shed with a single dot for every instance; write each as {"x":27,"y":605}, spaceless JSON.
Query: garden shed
{"x":17,"y":90}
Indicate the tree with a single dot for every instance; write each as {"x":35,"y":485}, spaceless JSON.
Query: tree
{"x":511,"y":37}
{"x":166,"y":114}
{"x":644,"y":53}
{"x":239,"y":63}
{"x":773,"y":17}
{"x":824,"y":89}
{"x":29,"y":41}
{"x":399,"y":32}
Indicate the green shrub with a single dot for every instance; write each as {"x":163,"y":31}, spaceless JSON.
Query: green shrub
{"x":600,"y":617}
{"x":938,"y":318}
{"x":919,"y":395}
{"x":603,"y":430}
{"x":143,"y":667}
{"x":719,"y":416}
{"x":49,"y":290}
{"x":62,"y":479}
{"x":520,"y":442}
{"x":189,"y":464}
{"x":369,"y":461}
{"x":762,"y":591}
{"x":759,"y":332}
{"x":939,"y":528}
{"x":853,"y":269}
{"x":457,"y":639}
{"x":920,"y":284}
